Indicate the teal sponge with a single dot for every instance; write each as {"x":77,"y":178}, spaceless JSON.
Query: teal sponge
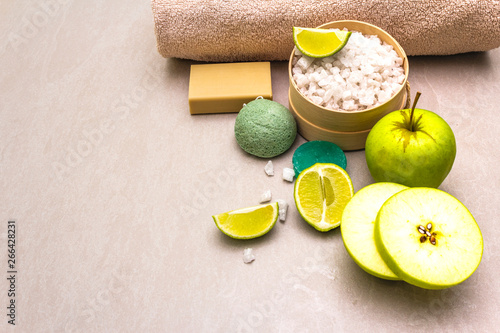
{"x":265,"y":128}
{"x":313,"y":152}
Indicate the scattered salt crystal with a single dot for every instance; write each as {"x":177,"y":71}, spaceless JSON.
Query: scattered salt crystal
{"x":248,"y":255}
{"x":283,"y":207}
{"x":266,"y":196}
{"x":288,"y":174}
{"x":269,"y":169}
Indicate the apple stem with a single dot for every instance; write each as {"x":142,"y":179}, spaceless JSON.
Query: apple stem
{"x":417,"y":96}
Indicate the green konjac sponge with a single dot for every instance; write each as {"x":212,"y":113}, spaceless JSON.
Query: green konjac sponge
{"x":265,"y":128}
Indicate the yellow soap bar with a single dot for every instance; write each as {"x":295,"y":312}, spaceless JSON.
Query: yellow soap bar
{"x":221,"y":88}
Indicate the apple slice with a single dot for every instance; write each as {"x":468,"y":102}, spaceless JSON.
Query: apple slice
{"x":358,"y":224}
{"x":428,"y":238}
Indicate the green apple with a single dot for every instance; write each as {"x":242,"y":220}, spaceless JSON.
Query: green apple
{"x":428,"y":238}
{"x":413,"y":147}
{"x":358,"y":224}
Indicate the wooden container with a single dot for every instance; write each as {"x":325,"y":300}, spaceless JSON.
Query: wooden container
{"x":352,"y":140}
{"x":340,"y":124}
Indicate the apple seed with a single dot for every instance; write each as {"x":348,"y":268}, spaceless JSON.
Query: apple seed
{"x":426,"y":232}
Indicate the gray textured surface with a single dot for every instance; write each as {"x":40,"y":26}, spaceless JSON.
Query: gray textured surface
{"x":113,"y":184}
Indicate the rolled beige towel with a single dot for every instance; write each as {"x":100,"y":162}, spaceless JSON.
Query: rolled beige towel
{"x":258,"y":30}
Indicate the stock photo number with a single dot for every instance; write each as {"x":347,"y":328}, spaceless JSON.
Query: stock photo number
{"x":11,"y":272}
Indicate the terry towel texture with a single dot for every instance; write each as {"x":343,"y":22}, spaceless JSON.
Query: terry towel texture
{"x":258,"y":30}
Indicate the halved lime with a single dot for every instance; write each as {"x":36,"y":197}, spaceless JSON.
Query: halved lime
{"x":248,"y":223}
{"x":319,"y":43}
{"x":321,"y":193}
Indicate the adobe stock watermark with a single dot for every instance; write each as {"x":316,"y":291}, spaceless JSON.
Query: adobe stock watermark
{"x":92,"y":138}
{"x":200,"y":196}
{"x":32,"y":25}
{"x":103,"y":298}
{"x":436,"y":307}
{"x":456,"y":299}
{"x":294,"y":280}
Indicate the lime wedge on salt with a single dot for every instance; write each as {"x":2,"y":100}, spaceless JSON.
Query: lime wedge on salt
{"x":313,"y":152}
{"x":319,"y":43}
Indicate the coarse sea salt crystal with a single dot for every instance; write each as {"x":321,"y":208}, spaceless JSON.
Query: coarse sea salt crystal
{"x":316,"y":99}
{"x":296,"y":70}
{"x":383,"y":95}
{"x":269,"y":168}
{"x":266,"y":196}
{"x":288,"y":174}
{"x":248,"y":255}
{"x":324,"y":82}
{"x":348,"y":105}
{"x":328,"y":96}
{"x":304,"y":62}
{"x":367,"y":100}
{"x":301,"y":80}
{"x":283,"y":207}
{"x":347,"y":94}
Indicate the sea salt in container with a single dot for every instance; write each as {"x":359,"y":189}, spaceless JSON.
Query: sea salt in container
{"x":347,"y":129}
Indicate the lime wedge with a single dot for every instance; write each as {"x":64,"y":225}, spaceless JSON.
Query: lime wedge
{"x":248,"y":223}
{"x":319,"y":43}
{"x":321,"y":193}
